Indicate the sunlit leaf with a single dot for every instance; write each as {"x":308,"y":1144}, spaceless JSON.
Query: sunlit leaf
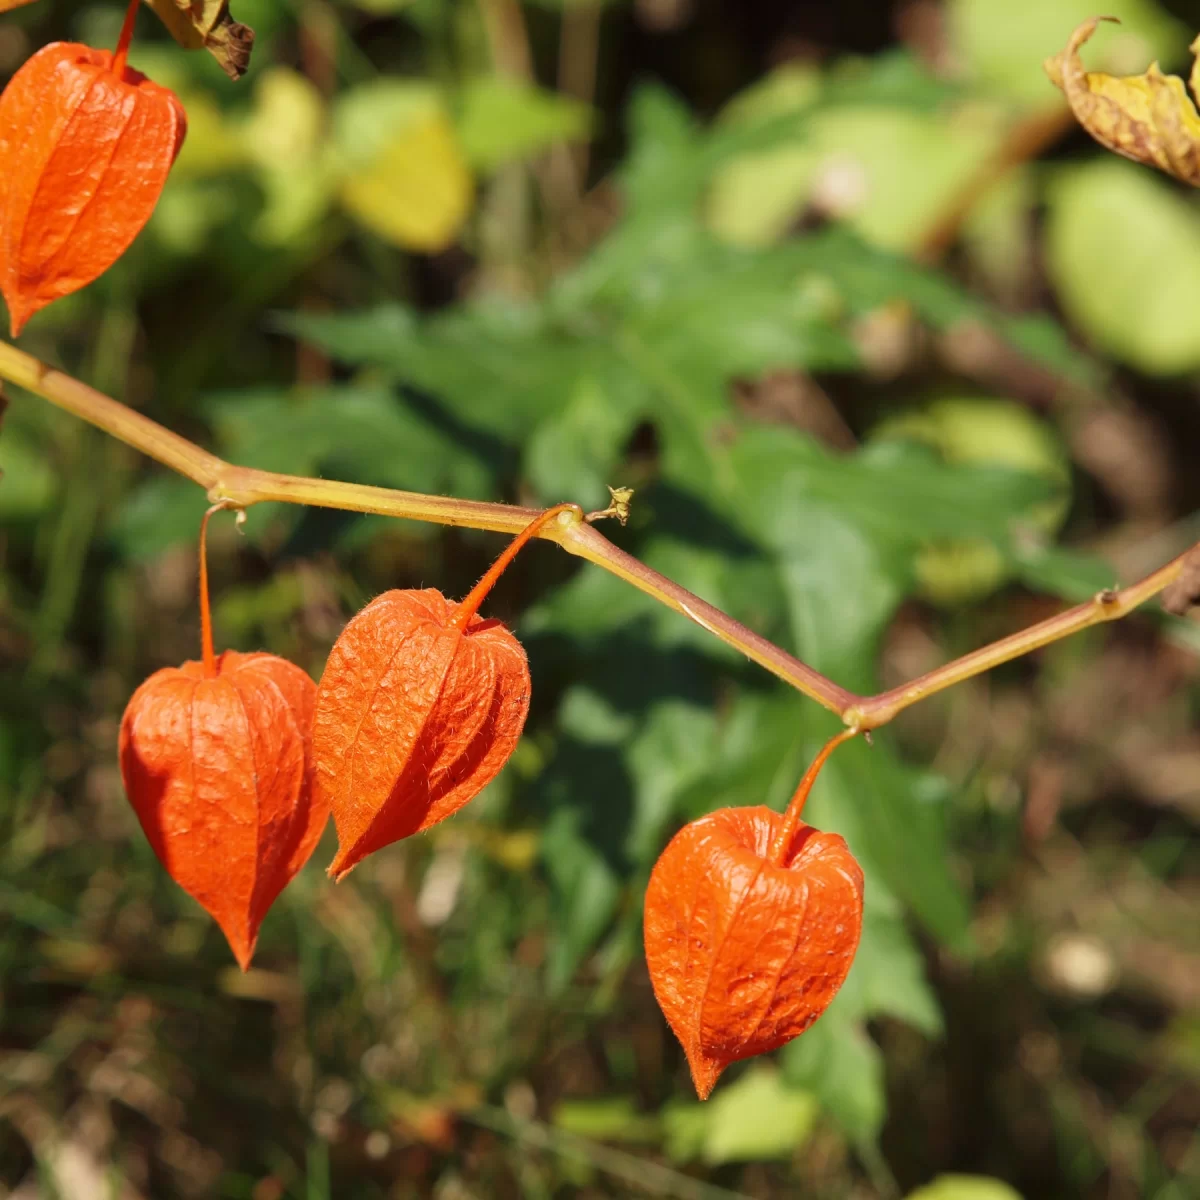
{"x":1002,"y":45}
{"x":502,"y":120}
{"x":1123,"y":252}
{"x":965,"y":1187}
{"x":284,"y":139}
{"x":757,"y":1117}
{"x":417,"y":192}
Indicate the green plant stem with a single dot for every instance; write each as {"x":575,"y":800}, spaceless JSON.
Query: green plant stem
{"x":237,"y":487}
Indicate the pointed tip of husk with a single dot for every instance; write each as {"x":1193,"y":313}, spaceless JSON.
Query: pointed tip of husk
{"x":243,"y":949}
{"x":705,"y":1072}
{"x":20,"y":308}
{"x":16,"y":319}
{"x":339,"y":868}
{"x":242,"y":939}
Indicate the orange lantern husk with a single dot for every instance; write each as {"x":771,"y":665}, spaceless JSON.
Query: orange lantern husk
{"x":86,"y":144}
{"x":421,"y":703}
{"x":752,"y":920}
{"x":216,"y":759}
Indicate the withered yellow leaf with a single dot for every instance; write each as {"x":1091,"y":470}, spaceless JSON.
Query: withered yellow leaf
{"x":5,"y":5}
{"x":1149,"y":118}
{"x":208,"y":25}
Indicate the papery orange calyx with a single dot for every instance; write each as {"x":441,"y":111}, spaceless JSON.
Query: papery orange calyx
{"x":86,"y":144}
{"x":752,"y":920}
{"x":420,"y":705}
{"x":217,"y":768}
{"x":216,"y":758}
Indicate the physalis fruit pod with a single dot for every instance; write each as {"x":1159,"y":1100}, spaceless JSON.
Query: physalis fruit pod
{"x":86,"y":144}
{"x":751,"y":923}
{"x":217,"y":762}
{"x":421,"y":703}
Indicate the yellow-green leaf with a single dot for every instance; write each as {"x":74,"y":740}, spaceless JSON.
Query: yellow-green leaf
{"x":417,"y":192}
{"x":1123,"y":252}
{"x":208,"y":25}
{"x":504,"y":120}
{"x":886,"y":172}
{"x":965,"y":1187}
{"x":285,"y":140}
{"x":1000,"y":46}
{"x":1149,"y":117}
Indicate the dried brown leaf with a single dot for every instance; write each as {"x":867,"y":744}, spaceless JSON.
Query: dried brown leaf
{"x":1149,"y":118}
{"x":208,"y":25}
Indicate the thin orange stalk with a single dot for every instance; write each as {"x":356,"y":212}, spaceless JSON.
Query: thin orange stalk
{"x":478,"y":594}
{"x":206,"y":635}
{"x":791,"y":819}
{"x":121,"y":54}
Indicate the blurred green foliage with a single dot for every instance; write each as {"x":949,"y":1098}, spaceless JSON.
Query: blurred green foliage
{"x":382,"y":258}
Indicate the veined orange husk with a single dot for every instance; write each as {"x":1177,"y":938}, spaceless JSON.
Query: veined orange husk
{"x":745,"y":954}
{"x":84,"y":155}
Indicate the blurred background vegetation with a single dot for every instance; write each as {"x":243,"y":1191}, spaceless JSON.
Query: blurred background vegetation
{"x":898,"y":361}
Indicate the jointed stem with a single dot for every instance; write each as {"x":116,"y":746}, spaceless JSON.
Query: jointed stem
{"x":230,"y":486}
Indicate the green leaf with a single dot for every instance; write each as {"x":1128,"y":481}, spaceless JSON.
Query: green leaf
{"x":608,"y":1118}
{"x":164,"y":511}
{"x":841,"y":590}
{"x":993,"y":431}
{"x":894,"y":818}
{"x":841,"y":1066}
{"x":405,"y":176}
{"x":888,"y":975}
{"x":27,"y":482}
{"x":594,"y":606}
{"x":1003,"y":45}
{"x":1060,"y":572}
{"x":1123,"y":251}
{"x":575,"y":452}
{"x":846,"y":530}
{"x":366,"y":118}
{"x":964,"y":1187}
{"x":497,"y":367}
{"x":504,"y":120}
{"x":757,"y":1117}
{"x":585,"y":879}
{"x":900,"y":168}
{"x":985,"y":431}
{"x":368,"y":434}
{"x":670,"y":753}
{"x":753,"y":1118}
